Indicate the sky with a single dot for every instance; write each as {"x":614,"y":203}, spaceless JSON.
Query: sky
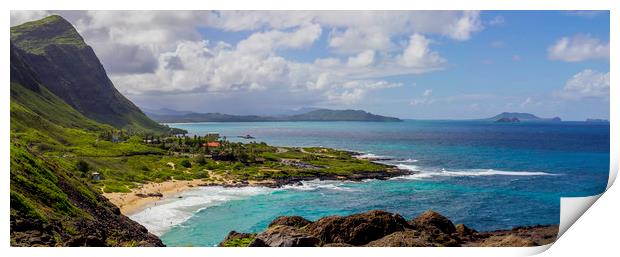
{"x":408,"y":64}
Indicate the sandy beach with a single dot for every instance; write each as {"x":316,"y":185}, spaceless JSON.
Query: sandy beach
{"x":138,"y":198}
{"x":130,"y":203}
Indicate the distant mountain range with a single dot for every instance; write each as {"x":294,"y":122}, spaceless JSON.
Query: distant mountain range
{"x":519,"y":117}
{"x":307,"y":114}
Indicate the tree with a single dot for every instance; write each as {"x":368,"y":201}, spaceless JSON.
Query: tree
{"x":185,"y":163}
{"x":82,"y":166}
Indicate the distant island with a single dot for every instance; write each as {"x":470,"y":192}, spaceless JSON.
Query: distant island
{"x":520,"y":117}
{"x":172,"y":116}
{"x":597,"y":120}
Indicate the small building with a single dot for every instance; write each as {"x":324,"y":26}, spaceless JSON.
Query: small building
{"x":96,"y":176}
{"x":213,"y":144}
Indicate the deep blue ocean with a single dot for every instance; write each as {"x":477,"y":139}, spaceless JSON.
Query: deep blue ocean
{"x":484,"y":174}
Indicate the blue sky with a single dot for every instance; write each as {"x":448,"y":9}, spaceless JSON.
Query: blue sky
{"x":418,"y":65}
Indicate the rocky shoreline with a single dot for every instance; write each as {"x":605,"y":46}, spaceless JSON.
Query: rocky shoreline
{"x":383,"y":229}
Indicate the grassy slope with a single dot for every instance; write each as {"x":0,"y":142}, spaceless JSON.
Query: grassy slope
{"x":69,"y":68}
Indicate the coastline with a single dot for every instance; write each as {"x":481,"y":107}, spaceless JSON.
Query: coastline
{"x":150,"y":193}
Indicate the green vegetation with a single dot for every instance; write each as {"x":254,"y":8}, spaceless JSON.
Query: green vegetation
{"x":240,"y":242}
{"x":34,"y":36}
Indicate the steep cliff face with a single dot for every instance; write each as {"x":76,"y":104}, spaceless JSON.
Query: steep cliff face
{"x":55,"y":105}
{"x":69,"y":68}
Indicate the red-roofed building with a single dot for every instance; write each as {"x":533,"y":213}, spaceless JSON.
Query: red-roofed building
{"x":213,"y":144}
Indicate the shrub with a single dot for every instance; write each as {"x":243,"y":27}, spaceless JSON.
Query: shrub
{"x":82,"y":166}
{"x":185,"y":163}
{"x":200,"y":160}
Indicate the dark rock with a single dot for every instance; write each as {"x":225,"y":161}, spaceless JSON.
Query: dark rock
{"x":257,"y":242}
{"x":279,"y":236}
{"x":35,"y":240}
{"x":116,"y":210}
{"x":293,"y":221}
{"x":430,"y":219}
{"x":407,"y":238}
{"x":383,"y":229}
{"x":357,"y":229}
{"x":463,"y":230}
{"x":155,"y":195}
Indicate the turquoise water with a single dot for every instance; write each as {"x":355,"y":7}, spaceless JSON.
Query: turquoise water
{"x":484,"y":174}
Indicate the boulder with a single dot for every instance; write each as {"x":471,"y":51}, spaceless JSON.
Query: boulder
{"x":357,"y":229}
{"x":279,"y":236}
{"x":430,"y":220}
{"x":407,"y":238}
{"x":292,"y":221}
{"x":466,"y":233}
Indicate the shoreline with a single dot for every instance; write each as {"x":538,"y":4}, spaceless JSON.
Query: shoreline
{"x":150,"y":193}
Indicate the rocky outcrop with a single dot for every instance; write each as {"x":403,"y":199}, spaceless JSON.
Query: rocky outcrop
{"x":381,"y":229}
{"x":279,"y":235}
{"x":357,"y":229}
{"x":292,"y":221}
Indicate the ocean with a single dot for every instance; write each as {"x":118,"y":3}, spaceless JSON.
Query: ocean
{"x":486,"y":175}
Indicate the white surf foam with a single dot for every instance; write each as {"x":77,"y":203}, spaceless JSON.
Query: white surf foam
{"x":371,"y":156}
{"x":316,"y":184}
{"x":163,"y":215}
{"x":428,"y":173}
{"x":406,"y":161}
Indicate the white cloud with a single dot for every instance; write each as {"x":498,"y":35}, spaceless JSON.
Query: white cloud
{"x":527,"y":101}
{"x":19,"y":17}
{"x":465,"y":26}
{"x":150,"y":53}
{"x":267,"y":42}
{"x":362,"y":59}
{"x":578,"y":48}
{"x":586,"y":84}
{"x":425,"y":99}
{"x":357,"y":31}
{"x":418,"y":55}
{"x":427,"y":93}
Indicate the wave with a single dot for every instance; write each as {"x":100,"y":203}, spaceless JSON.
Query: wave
{"x":172,"y":211}
{"x":429,"y":173}
{"x":371,"y":156}
{"x":406,"y":161}
{"x":316,"y":184}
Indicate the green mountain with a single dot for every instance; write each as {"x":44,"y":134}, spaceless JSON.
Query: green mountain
{"x":340,"y":115}
{"x":314,"y":115}
{"x":66,"y":66}
{"x":520,"y":116}
{"x":61,"y":104}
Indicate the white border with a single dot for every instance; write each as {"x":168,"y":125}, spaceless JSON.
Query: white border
{"x":570,"y":243}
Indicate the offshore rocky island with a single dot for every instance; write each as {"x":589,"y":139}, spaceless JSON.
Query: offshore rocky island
{"x":82,"y":153}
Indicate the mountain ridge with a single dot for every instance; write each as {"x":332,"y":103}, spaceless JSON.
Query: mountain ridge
{"x":64,"y":64}
{"x":310,"y":115}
